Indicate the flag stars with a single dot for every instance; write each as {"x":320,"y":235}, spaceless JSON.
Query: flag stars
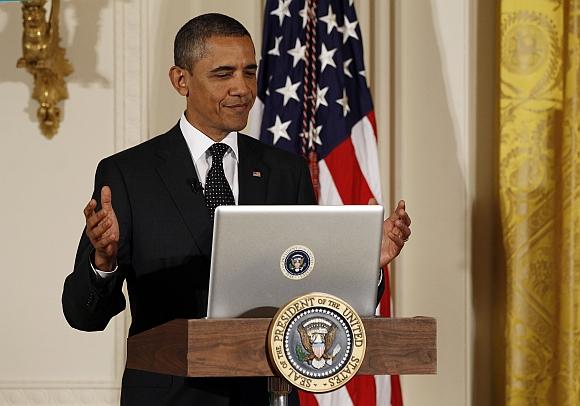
{"x":346,"y":67}
{"x":330,"y":20}
{"x":280,"y":129}
{"x":282,"y":11}
{"x":298,"y":53}
{"x":348,"y":30}
{"x":321,"y":96}
{"x":268,"y":88}
{"x":276,"y":50}
{"x":313,"y":136}
{"x":344,"y":103}
{"x":304,"y":14}
{"x":289,"y":90}
{"x":326,"y":58}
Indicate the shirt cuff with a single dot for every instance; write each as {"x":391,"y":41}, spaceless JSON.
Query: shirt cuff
{"x":99,"y":273}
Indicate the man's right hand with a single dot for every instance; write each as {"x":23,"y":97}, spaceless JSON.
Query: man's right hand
{"x":103,"y":231}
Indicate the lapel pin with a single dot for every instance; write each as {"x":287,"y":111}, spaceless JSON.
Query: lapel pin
{"x":257,"y":174}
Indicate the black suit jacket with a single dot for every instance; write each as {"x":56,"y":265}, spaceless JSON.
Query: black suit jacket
{"x":165,"y":249}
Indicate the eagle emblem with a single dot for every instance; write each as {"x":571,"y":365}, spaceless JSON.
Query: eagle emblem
{"x":297,"y":262}
{"x":317,"y":336}
{"x":314,"y":339}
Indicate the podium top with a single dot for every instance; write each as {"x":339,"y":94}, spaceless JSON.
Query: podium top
{"x":237,"y":347}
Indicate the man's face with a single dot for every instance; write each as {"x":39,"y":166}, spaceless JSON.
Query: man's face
{"x":222,"y":86}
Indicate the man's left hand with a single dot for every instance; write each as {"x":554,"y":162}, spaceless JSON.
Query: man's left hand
{"x":396,"y":232}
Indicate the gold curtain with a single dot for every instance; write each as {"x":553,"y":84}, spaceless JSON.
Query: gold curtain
{"x":539,"y":169}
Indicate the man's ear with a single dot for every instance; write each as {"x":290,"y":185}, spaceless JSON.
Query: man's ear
{"x":179,"y":78}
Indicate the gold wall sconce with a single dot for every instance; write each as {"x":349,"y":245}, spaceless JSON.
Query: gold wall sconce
{"x":44,"y":58}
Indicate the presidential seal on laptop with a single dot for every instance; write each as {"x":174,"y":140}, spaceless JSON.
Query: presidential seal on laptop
{"x":297,"y":262}
{"x":317,"y":342}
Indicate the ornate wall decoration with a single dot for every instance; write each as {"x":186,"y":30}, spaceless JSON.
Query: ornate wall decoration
{"x":45,"y":60}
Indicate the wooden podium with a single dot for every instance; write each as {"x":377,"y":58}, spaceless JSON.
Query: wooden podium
{"x":237,"y":347}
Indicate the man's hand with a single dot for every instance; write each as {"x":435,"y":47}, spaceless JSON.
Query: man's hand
{"x":396,"y":232}
{"x":103,"y":231}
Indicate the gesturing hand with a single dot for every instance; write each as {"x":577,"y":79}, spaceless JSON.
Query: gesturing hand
{"x":396,"y":232}
{"x":103,"y":230}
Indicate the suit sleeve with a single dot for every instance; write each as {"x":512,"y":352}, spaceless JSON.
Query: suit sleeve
{"x":305,"y":189}
{"x":89,"y":302}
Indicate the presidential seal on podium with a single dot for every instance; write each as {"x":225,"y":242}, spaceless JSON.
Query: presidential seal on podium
{"x":317,"y":342}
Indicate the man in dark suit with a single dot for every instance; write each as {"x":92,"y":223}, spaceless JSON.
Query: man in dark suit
{"x":150,"y":219}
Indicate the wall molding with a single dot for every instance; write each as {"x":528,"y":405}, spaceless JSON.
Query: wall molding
{"x":131,"y":56}
{"x":30,"y":384}
{"x":62,"y":396}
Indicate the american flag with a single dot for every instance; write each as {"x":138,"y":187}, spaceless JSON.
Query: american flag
{"x":313,"y":100}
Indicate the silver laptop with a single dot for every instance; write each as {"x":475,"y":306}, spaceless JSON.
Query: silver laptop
{"x":264,"y":256}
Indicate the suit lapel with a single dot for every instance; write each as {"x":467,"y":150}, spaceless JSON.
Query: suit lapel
{"x":252,"y":173}
{"x":178,"y":174}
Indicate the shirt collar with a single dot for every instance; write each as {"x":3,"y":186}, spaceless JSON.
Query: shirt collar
{"x":199,"y":143}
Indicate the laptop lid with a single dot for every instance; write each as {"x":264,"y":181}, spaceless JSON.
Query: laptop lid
{"x":264,"y":256}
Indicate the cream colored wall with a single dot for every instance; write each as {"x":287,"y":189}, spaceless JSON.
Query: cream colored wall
{"x":419,"y":64}
{"x":44,"y":185}
{"x":431,"y":114}
{"x":443,"y":135}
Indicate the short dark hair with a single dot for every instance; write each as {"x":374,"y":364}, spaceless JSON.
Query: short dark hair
{"x":190,"y":41}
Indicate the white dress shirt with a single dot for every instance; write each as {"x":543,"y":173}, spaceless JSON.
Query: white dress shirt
{"x":199,"y":144}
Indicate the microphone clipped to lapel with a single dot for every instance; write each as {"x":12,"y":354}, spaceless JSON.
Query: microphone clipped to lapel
{"x":195,"y":185}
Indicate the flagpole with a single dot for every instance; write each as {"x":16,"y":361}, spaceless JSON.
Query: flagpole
{"x":279,"y":389}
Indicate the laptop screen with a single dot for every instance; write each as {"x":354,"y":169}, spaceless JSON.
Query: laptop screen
{"x":264,"y":256}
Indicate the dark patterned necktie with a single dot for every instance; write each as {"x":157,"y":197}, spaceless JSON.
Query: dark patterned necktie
{"x":217,"y":189}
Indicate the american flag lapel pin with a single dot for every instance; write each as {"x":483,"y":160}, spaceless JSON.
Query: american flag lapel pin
{"x":257,"y":174}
